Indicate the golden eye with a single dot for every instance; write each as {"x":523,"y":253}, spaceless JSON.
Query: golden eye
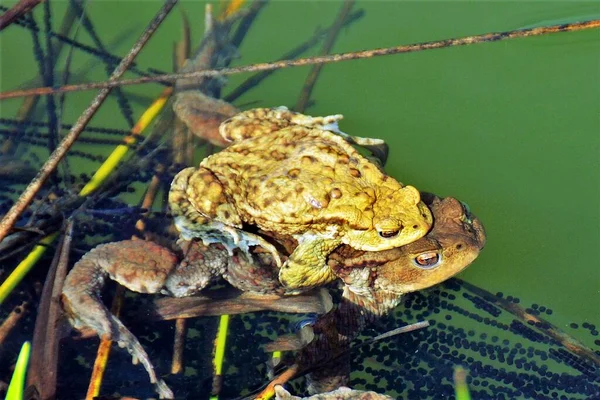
{"x":388,"y":234}
{"x":427,"y":260}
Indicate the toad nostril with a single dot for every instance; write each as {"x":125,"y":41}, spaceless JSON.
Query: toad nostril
{"x":459,"y":246}
{"x":415,"y":226}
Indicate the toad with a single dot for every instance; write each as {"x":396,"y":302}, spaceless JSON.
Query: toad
{"x":343,"y":393}
{"x":296,"y":175}
{"x":373,"y":281}
{"x":374,"y":284}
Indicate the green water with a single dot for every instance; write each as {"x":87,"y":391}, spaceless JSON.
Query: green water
{"x":511,"y":128}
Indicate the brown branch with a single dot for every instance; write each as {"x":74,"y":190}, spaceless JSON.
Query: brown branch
{"x":149,"y":198}
{"x":231,"y":301}
{"x":27,"y":196}
{"x":569,"y":342}
{"x":280,"y":379}
{"x":104,"y":350}
{"x":18,"y":10}
{"x":411,"y":48}
{"x":178,"y":346}
{"x":312,"y":77}
{"x":11,"y":321}
{"x":43,"y":371}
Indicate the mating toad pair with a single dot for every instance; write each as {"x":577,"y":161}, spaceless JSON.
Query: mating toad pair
{"x":306,"y":209}
{"x":298,"y":176}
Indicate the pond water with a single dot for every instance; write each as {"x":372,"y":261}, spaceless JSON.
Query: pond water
{"x":512,"y":128}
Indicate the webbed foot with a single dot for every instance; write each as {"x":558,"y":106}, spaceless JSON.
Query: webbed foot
{"x":243,"y":240}
{"x":307,"y":265}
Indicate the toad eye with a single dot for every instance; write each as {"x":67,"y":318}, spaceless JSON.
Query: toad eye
{"x":427,"y":260}
{"x":388,"y":234}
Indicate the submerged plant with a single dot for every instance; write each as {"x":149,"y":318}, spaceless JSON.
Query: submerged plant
{"x":17,"y":382}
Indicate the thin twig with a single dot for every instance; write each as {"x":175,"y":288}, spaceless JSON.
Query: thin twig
{"x":104,"y":350}
{"x":150,"y":196}
{"x":312,"y":77}
{"x":402,"y":329}
{"x":231,"y":301}
{"x":18,"y":10}
{"x":178,"y":346}
{"x":11,"y":321}
{"x":27,"y":196}
{"x":280,"y":379}
{"x":179,"y":140}
{"x":48,"y":65}
{"x":411,"y":48}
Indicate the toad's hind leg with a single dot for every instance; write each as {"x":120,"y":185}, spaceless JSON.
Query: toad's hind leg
{"x":202,"y":209}
{"x":200,"y":204}
{"x":140,"y":266}
{"x":307,"y":265}
{"x":261,"y":121}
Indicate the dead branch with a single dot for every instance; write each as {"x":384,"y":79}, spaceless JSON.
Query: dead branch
{"x":18,"y":10}
{"x":11,"y":320}
{"x":411,"y":48}
{"x":230,"y":301}
{"x":43,"y":370}
{"x":178,"y":346}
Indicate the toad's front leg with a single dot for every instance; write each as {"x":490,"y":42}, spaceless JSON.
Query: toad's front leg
{"x":307,"y":265}
{"x":202,"y":209}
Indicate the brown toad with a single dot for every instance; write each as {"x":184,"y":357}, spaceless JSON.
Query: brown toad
{"x":343,"y":393}
{"x":295,"y":175}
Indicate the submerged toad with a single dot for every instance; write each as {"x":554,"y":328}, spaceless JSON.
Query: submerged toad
{"x":373,"y":281}
{"x":295,"y":175}
{"x":343,"y":393}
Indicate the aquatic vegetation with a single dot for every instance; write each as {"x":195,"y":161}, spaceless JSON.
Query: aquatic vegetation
{"x":17,"y":382}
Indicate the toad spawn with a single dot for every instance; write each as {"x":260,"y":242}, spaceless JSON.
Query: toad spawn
{"x":295,"y":175}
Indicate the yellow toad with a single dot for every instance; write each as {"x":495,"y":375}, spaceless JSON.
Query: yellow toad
{"x":295,"y":175}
